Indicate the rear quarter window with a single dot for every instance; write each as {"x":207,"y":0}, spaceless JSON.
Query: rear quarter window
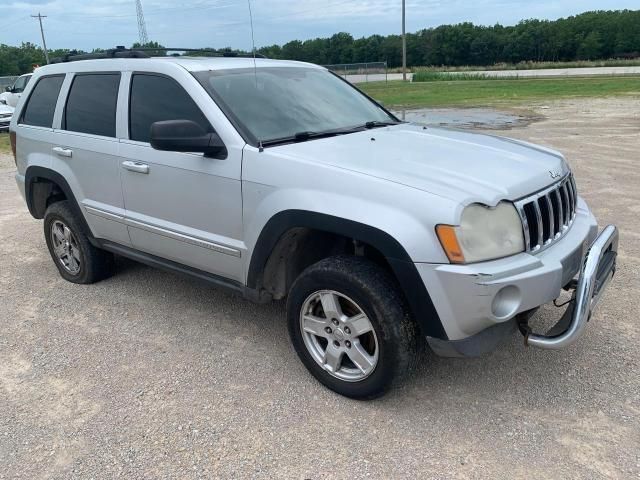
{"x":91,"y":104}
{"x":41,"y":105}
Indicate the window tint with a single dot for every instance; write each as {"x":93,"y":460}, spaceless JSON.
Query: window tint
{"x":154,"y":99}
{"x":91,"y":106}
{"x":42,"y":102}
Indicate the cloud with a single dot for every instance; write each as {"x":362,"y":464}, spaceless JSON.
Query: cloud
{"x":195,"y":23}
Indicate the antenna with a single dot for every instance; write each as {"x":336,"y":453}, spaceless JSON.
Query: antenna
{"x":253,"y":45}
{"x":142,"y":28}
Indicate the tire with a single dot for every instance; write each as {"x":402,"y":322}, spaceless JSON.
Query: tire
{"x":360,"y":287}
{"x":71,"y":249}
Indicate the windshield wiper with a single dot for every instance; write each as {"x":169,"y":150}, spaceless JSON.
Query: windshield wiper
{"x":377,"y":123}
{"x":308,"y":135}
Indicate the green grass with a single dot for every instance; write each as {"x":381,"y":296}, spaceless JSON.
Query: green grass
{"x":497,"y":92}
{"x":528,"y":65}
{"x":5,"y":146}
{"x":429,"y":76}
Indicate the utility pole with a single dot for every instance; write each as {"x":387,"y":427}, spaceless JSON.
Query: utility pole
{"x":404,"y":44}
{"x":44,"y":44}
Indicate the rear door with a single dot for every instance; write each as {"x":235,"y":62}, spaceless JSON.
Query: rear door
{"x":184,"y":207}
{"x":86,"y":152}
{"x":35,"y":123}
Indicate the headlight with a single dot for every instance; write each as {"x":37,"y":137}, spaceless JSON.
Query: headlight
{"x":484,"y":233}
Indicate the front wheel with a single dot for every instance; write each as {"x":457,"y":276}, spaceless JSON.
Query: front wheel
{"x":350,"y":326}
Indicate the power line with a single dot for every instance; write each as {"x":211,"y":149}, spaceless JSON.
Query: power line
{"x":44,"y":44}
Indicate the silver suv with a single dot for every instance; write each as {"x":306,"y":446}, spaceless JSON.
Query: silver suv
{"x":278,"y":179}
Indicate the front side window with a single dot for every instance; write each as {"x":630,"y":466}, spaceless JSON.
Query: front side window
{"x":280,"y":102}
{"x":155,"y":98}
{"x":91,"y":105}
{"x":42,"y":102}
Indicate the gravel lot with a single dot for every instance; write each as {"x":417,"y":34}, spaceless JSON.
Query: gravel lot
{"x":151,"y":375}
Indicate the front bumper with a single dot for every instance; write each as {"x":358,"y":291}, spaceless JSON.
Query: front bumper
{"x":597,"y":270}
{"x":471,"y":299}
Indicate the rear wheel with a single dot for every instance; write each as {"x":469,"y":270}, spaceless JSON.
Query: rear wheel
{"x":350,"y":327}
{"x":76,"y":259}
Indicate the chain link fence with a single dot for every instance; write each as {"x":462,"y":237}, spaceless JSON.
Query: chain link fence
{"x":361,"y":72}
{"x":6,"y":82}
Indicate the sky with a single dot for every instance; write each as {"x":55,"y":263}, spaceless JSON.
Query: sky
{"x":87,"y":24}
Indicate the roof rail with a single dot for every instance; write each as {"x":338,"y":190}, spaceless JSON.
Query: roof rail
{"x":118,"y":52}
{"x":135,"y":52}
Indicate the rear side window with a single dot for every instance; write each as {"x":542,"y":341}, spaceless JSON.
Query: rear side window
{"x":42,"y":102}
{"x":155,"y":98}
{"x":91,"y":105}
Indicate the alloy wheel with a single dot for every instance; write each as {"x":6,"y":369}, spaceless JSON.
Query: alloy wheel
{"x":65,"y":247}
{"x":339,"y":335}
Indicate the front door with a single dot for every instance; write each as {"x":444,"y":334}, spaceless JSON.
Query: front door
{"x":17,"y":89}
{"x":183,"y":207}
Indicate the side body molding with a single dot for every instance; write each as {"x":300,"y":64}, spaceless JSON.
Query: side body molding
{"x":403,"y":267}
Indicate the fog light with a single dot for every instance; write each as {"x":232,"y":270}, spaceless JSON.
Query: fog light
{"x":506,"y":302}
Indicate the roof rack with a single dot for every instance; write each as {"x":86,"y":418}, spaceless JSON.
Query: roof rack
{"x":122,"y":52}
{"x":118,"y":52}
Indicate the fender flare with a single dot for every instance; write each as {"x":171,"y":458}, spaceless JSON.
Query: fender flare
{"x":404,"y":269}
{"x":33,"y":174}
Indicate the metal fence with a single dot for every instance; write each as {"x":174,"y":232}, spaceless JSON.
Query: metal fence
{"x":5,"y":82}
{"x":361,"y":72}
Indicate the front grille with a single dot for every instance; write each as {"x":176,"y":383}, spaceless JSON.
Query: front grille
{"x":547,"y":215}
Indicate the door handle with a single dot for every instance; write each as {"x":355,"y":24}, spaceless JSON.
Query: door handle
{"x":136,"y":167}
{"x":62,"y":152}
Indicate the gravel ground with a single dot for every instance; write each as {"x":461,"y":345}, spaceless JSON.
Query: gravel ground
{"x":151,"y":375}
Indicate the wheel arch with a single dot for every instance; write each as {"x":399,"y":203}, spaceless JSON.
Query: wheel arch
{"x":37,"y":196}
{"x":399,"y":261}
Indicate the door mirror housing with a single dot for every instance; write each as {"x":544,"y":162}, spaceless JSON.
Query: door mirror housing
{"x":8,"y":89}
{"x":186,"y":136}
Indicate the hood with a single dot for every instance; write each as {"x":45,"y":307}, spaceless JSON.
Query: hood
{"x":5,"y":109}
{"x":462,"y":166}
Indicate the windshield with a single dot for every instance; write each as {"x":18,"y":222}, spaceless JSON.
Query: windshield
{"x":285,"y":102}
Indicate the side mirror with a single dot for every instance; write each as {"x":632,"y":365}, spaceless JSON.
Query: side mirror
{"x":186,"y":136}
{"x":8,"y":89}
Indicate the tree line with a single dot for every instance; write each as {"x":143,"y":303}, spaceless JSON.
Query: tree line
{"x":588,"y":36}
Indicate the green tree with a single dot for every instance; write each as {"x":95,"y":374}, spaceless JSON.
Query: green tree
{"x":591,"y":47}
